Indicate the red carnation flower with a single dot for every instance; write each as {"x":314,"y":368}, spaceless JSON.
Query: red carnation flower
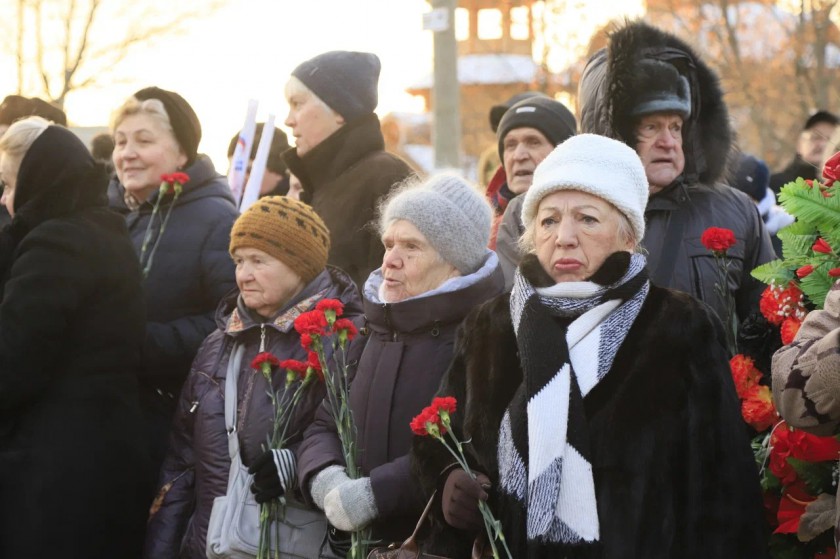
{"x":345,"y":327}
{"x":758,"y":409}
{"x":804,"y":271}
{"x":718,"y":239}
{"x":265,"y":357}
{"x":306,"y":341}
{"x":822,"y":246}
{"x":313,"y":323}
{"x":831,"y":169}
{"x":181,"y":178}
{"x":445,"y":403}
{"x":418,"y":424}
{"x":298,"y":367}
{"x":315,"y":364}
{"x":790,"y":327}
{"x":744,"y":374}
{"x":330,"y":305}
{"x":429,"y":421}
{"x":834,"y":272}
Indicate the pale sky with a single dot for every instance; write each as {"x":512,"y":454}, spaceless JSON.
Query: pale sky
{"x":248,"y":48}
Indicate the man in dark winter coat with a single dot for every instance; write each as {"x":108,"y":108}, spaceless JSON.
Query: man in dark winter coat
{"x":812,"y":140}
{"x":339,"y":154}
{"x":527,"y":133}
{"x":650,"y":90}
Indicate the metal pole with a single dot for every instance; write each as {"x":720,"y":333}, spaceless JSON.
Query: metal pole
{"x":446,"y":132}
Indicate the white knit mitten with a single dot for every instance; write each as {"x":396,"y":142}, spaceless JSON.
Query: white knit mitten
{"x":351,"y":506}
{"x":325,"y":481}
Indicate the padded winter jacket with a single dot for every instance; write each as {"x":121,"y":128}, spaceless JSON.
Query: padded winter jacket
{"x":407,"y":350}
{"x":197,"y":463}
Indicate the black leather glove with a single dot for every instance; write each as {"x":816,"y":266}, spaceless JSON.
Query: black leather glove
{"x":460,"y":497}
{"x":274,"y":472}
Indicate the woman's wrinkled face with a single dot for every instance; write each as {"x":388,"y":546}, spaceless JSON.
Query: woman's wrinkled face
{"x":266,"y":283}
{"x":8,"y":176}
{"x":144,"y":150}
{"x":575,"y":232}
{"x":411,"y":266}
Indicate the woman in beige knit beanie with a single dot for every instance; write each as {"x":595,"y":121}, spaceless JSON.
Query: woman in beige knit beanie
{"x":280,"y":248}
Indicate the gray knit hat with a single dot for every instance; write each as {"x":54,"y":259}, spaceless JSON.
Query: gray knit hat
{"x":450,"y":213}
{"x":597,"y":165}
{"x":346,"y":81}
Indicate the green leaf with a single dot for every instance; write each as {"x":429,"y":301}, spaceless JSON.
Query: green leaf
{"x":796,"y":245}
{"x":776,"y":271}
{"x":808,"y":204}
{"x":816,"y":285}
{"x":817,"y":476}
{"x":769,"y":482}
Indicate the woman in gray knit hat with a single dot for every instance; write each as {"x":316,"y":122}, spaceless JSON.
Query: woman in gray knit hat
{"x":436,"y":268}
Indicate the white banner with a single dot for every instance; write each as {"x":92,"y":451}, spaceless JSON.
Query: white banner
{"x":242,"y":153}
{"x":252,"y":189}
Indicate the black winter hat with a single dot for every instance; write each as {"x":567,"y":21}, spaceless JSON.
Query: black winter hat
{"x":821,"y":116}
{"x":182,"y":117}
{"x":498,"y":111}
{"x":346,"y":81}
{"x":661,"y":89}
{"x":752,"y":177}
{"x":552,"y":118}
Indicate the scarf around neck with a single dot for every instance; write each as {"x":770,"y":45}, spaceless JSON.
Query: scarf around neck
{"x":543,"y":452}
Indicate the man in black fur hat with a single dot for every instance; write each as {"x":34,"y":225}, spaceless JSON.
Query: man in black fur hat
{"x":650,"y":90}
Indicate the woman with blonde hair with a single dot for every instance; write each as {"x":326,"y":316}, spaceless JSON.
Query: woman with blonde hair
{"x":72,"y":455}
{"x":185,"y":262}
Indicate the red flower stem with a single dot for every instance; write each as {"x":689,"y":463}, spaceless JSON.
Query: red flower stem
{"x":160,"y":233}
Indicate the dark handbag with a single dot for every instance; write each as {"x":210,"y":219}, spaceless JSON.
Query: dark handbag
{"x":409,"y":549}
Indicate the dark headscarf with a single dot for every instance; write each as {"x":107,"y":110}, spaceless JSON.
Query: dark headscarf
{"x":57,"y":177}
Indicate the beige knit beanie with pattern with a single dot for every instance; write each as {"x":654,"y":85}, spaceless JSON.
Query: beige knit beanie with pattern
{"x":286,"y":229}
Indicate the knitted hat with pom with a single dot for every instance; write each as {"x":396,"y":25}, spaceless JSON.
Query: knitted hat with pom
{"x":286,"y":229}
{"x":450,"y":213}
{"x":597,"y":165}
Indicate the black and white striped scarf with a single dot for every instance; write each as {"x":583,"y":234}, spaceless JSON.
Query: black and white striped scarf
{"x":543,"y":448}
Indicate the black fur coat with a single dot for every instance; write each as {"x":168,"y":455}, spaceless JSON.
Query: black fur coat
{"x":674,"y":473}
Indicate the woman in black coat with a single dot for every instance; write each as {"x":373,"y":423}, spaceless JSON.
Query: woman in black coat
{"x":72,"y":455}
{"x":600,"y":410}
{"x":156,"y":132}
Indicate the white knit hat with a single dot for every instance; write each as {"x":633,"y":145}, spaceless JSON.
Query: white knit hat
{"x":597,"y":165}
{"x":450,"y":213}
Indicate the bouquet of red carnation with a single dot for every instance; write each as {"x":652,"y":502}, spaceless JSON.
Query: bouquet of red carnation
{"x":283,"y":404}
{"x":434,"y":421}
{"x":319,"y":329}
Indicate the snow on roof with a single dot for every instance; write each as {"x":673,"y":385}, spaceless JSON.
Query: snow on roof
{"x":488,"y":69}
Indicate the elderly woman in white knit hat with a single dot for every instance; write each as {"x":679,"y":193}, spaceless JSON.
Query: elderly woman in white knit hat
{"x":600,"y":408}
{"x":435,"y":270}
